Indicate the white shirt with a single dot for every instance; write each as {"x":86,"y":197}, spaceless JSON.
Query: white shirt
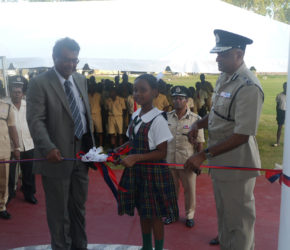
{"x":25,"y":140}
{"x":77,"y":96}
{"x":158,"y":132}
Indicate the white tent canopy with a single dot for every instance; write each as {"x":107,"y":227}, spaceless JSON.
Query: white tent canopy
{"x":139,"y":35}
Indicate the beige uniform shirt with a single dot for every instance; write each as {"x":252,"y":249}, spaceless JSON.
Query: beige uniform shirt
{"x":179,"y":149}
{"x":236,"y":108}
{"x":7,"y":118}
{"x":115,"y":108}
{"x":95,"y":103}
{"x":25,"y":139}
{"x":160,"y":101}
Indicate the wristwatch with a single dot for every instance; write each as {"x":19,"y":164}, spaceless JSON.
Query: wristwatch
{"x":17,"y":149}
{"x":208,"y":155}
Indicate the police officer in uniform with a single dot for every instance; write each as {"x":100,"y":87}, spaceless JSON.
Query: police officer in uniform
{"x":7,"y":132}
{"x":179,"y":149}
{"x":232,"y":125}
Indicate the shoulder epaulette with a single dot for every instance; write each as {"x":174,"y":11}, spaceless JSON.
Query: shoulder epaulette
{"x":9,"y":106}
{"x":247,"y":81}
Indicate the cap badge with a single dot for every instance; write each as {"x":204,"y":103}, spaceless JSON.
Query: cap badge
{"x":177,"y":90}
{"x":18,"y":79}
{"x":217,"y":38}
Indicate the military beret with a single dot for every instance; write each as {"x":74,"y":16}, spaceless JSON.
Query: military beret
{"x":179,"y":91}
{"x":227,"y":40}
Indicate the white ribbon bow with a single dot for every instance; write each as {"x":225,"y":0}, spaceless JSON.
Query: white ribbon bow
{"x":95,"y":155}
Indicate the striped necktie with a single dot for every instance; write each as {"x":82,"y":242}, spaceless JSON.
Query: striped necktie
{"x":74,"y":109}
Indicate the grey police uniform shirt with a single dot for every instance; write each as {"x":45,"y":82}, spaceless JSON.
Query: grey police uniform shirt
{"x":236,"y":108}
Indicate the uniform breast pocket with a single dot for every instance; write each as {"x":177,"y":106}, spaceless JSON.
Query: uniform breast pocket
{"x":222,"y":105}
{"x":185,"y":129}
{"x":4,"y":113}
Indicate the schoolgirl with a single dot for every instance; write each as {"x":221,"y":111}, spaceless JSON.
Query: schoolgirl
{"x":150,"y":188}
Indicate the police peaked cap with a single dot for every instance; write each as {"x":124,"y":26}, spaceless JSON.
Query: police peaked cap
{"x":227,"y":40}
{"x":20,"y":80}
{"x":179,"y":91}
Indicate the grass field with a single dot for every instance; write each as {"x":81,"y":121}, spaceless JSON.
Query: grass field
{"x":272,"y":85}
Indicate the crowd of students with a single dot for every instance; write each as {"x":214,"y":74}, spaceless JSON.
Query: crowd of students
{"x":112,"y":105}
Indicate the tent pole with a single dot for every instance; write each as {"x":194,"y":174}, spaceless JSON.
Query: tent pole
{"x":3,"y":60}
{"x":284,"y":228}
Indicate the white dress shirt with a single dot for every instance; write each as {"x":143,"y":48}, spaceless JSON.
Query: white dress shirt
{"x":78,"y":98}
{"x":25,"y":140}
{"x":159,"y":131}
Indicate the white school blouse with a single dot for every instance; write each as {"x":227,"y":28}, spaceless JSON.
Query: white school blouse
{"x":159,"y":131}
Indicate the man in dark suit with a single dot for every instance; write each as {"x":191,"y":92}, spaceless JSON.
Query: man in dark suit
{"x":59,"y":120}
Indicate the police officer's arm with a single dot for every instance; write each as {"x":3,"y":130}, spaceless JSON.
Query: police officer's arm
{"x":199,"y":124}
{"x":199,"y":147}
{"x":234,"y":141}
{"x":247,"y":112}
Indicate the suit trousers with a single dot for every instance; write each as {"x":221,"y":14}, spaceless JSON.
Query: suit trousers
{"x":28,"y":178}
{"x":4,"y":177}
{"x":65,"y":207}
{"x":235,"y":203}
{"x":188,"y":180}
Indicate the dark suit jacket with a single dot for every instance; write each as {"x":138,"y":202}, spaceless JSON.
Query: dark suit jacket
{"x":50,"y":121}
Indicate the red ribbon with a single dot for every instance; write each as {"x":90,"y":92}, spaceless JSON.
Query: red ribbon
{"x":217,"y":167}
{"x":111,"y":173}
{"x":285,"y":179}
{"x":113,"y":157}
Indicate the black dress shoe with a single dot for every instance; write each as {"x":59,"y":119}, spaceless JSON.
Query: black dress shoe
{"x":168,"y":221}
{"x":215,"y":241}
{"x":5,"y":215}
{"x":31,"y":199}
{"x":189,"y":223}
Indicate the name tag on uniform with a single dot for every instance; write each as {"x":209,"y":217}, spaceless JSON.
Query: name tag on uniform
{"x":225,"y":94}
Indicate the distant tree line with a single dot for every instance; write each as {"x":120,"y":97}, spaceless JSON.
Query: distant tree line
{"x":276,"y":9}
